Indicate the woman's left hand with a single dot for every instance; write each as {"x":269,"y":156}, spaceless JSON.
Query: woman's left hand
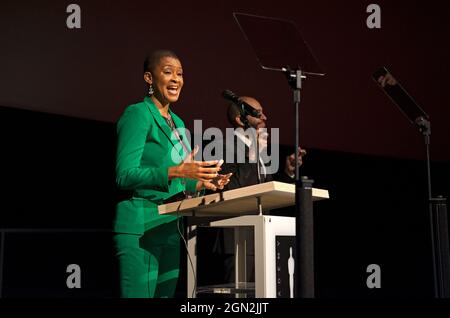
{"x":215,"y":184}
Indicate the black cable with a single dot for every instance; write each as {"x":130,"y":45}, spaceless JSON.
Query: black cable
{"x":187,"y":249}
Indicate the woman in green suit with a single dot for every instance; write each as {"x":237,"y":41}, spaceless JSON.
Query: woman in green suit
{"x":154,"y":162}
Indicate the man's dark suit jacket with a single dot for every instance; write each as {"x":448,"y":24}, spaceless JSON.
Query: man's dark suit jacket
{"x":245,"y":174}
{"x":219,"y":242}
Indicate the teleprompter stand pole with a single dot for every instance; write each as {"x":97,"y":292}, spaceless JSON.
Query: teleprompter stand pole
{"x":438,"y":224}
{"x":304,"y":222}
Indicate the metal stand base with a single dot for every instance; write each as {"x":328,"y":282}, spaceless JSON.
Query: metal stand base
{"x":441,"y":247}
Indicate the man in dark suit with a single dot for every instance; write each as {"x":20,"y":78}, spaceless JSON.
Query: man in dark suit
{"x":245,"y":173}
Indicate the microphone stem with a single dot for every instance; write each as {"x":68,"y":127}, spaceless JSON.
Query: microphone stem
{"x":258,"y":171}
{"x":258,"y":168}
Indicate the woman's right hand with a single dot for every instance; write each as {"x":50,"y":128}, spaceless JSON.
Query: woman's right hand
{"x":199,"y":170}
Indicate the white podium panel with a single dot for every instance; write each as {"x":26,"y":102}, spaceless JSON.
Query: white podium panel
{"x":218,"y":209}
{"x":265,"y":229}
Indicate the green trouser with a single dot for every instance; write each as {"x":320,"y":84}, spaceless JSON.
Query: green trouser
{"x":149,"y":263}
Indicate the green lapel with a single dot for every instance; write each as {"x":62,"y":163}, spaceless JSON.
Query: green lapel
{"x":160,"y":121}
{"x":181,"y":129}
{"x":162,"y":124}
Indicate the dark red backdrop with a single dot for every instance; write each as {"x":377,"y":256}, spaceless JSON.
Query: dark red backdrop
{"x":96,"y":71}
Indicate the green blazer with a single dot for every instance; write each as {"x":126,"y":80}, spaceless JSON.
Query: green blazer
{"x":146,"y":148}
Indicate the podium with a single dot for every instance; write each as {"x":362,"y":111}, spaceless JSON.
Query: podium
{"x":238,"y":209}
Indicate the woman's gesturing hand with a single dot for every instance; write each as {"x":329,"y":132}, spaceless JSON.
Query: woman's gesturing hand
{"x":200,"y":170}
{"x":215,"y":184}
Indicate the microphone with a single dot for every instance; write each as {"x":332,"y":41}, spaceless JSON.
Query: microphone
{"x":245,"y":108}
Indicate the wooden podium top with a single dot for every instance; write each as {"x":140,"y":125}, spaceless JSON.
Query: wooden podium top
{"x":240,"y":201}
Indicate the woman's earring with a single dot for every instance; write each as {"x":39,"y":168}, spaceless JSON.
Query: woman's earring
{"x":150,"y":90}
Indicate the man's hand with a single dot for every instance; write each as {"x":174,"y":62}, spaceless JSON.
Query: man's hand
{"x":262,"y":139}
{"x":262,"y":144}
{"x":289,"y":168}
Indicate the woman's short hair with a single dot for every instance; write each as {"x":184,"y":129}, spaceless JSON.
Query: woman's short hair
{"x":152,"y":60}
